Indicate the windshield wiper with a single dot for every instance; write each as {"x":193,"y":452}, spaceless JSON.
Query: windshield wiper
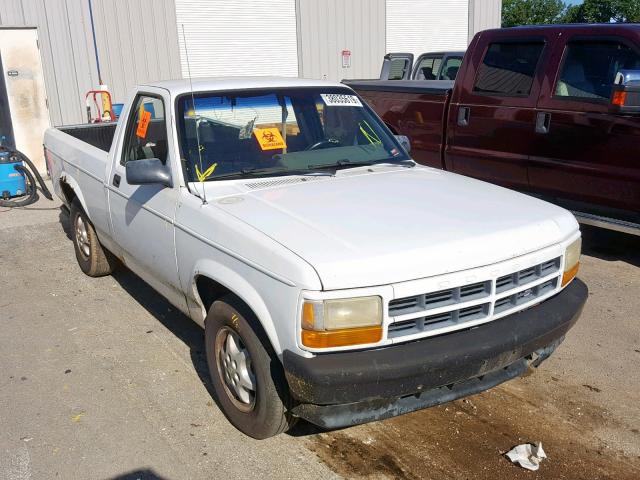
{"x":251,"y":172}
{"x":345,"y":163}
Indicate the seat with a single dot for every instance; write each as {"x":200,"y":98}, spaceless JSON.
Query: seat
{"x":427,"y":73}
{"x":574,"y":82}
{"x":451,"y":73}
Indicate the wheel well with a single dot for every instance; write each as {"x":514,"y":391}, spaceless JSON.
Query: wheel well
{"x":209,"y":291}
{"x":67,"y":191}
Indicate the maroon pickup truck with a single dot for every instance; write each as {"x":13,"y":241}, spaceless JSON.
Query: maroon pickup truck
{"x":553,"y":111}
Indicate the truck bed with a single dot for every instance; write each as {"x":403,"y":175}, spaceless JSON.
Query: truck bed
{"x":100,"y":135}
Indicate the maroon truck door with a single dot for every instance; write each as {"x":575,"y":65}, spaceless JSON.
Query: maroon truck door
{"x":583,"y":156}
{"x":493,"y":106}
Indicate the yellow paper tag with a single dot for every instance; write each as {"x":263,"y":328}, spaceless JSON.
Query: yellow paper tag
{"x":269,"y":138}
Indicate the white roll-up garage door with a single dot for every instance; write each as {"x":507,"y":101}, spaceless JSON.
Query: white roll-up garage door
{"x":238,"y":37}
{"x":419,"y":26}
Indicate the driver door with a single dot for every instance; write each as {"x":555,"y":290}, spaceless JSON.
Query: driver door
{"x":142,"y":216}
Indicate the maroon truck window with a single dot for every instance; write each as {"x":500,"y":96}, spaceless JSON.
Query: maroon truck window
{"x":508,"y":68}
{"x":589,"y":68}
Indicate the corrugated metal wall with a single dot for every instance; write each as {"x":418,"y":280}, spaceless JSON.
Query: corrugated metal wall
{"x":326,"y":27}
{"x":484,"y":14}
{"x":238,"y":37}
{"x":420,"y":26}
{"x":137,"y":42}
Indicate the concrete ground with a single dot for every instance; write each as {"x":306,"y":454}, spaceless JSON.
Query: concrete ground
{"x":101,"y":378}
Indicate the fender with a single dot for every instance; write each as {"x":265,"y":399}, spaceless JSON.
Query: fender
{"x":72,"y":182}
{"x":240,"y":287}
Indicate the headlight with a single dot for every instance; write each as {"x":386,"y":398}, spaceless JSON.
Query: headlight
{"x":341,"y":322}
{"x":571,"y":261}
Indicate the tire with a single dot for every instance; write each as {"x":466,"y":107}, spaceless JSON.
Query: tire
{"x":93,"y":259}
{"x":260,"y":412}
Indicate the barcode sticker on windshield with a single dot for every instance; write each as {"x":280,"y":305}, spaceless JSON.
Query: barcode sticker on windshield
{"x":340,"y":100}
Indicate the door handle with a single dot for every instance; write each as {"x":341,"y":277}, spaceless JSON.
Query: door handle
{"x":464,"y":114}
{"x":543,"y":122}
{"x":116,"y":180}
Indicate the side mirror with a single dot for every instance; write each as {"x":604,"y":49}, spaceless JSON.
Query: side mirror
{"x":148,"y":171}
{"x":625,"y":94}
{"x":404,"y":141}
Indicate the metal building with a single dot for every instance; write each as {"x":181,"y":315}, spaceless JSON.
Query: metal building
{"x":144,"y":40}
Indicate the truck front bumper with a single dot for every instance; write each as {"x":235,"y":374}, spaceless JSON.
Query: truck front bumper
{"x":347,"y":388}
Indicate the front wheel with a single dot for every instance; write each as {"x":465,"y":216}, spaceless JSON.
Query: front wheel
{"x":93,"y":259}
{"x":247,"y":376}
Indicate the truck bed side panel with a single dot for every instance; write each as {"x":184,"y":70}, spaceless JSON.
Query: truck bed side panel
{"x":413,"y":108}
{"x":82,"y":166}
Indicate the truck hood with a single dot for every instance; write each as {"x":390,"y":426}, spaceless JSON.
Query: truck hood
{"x":366,"y":227}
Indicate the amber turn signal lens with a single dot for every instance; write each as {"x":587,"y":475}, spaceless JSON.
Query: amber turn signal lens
{"x":619,"y":98}
{"x":341,"y":338}
{"x":570,"y":274}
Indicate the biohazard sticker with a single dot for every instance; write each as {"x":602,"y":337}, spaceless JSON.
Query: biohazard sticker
{"x":269,"y":138}
{"x":340,"y":100}
{"x":143,"y":124}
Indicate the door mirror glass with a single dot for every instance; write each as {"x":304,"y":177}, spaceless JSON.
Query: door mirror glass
{"x":148,"y":171}
{"x":625,"y":94}
{"x":404,"y":141}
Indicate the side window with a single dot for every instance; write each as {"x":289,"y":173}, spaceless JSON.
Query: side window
{"x":589,"y":68}
{"x":427,"y":68}
{"x":398,"y":68}
{"x":146,"y":135}
{"x":508,"y":68}
{"x":450,"y":68}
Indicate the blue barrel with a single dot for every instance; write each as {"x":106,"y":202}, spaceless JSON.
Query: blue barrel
{"x":12,"y":182}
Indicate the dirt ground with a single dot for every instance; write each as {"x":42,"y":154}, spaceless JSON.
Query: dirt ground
{"x":101,"y":378}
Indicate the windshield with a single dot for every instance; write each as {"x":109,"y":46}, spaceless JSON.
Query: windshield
{"x":279,"y":131}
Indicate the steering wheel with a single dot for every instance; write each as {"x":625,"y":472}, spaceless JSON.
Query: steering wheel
{"x":325,"y":143}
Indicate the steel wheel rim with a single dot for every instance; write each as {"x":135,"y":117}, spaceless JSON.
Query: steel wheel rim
{"x":82,"y":237}
{"x":235,"y":369}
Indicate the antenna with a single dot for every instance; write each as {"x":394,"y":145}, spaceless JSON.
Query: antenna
{"x":193,"y":103}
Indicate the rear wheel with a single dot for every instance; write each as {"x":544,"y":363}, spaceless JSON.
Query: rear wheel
{"x":93,"y":259}
{"x":246,"y":374}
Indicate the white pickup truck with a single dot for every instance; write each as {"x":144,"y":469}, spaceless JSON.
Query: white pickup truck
{"x":336,"y":280}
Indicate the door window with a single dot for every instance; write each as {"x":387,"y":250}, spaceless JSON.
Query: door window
{"x":589,"y":68}
{"x":450,"y":68}
{"x":428,"y":68}
{"x":508,"y":68}
{"x":147,"y":131}
{"x":398,"y":68}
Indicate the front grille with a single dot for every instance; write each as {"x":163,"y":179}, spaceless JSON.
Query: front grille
{"x":451,"y":306}
{"x":446,"y":319}
{"x":527,"y":275}
{"x":442,"y":298}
